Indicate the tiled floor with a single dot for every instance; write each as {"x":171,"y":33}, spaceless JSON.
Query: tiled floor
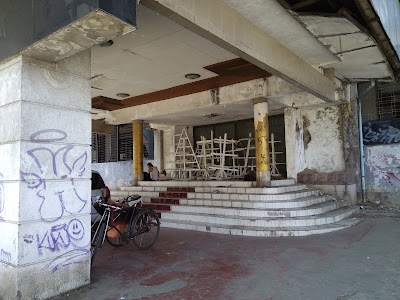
{"x":358,"y":263}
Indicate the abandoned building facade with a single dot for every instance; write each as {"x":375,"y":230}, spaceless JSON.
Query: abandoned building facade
{"x":300,"y":97}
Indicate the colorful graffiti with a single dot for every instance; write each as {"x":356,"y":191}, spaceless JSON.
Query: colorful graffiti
{"x":384,"y":165}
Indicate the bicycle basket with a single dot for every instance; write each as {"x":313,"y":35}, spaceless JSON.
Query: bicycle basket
{"x":113,"y":233}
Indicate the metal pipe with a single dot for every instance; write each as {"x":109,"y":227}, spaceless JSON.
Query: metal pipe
{"x":360,"y":135}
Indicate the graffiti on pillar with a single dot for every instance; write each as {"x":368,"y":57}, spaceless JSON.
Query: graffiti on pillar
{"x":384,"y":131}
{"x":56,"y":163}
{"x":5,"y":257}
{"x":262,"y":146}
{"x":384,"y":166}
{"x":2,"y":198}
{"x":66,"y":239}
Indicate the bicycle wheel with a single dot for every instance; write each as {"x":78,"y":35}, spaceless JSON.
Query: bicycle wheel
{"x":96,"y":241}
{"x":145,"y":229}
{"x":117,"y":241}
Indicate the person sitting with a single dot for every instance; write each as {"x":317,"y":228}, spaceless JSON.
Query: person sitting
{"x":153,"y":171}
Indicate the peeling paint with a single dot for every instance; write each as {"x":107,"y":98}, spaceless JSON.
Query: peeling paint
{"x":92,"y":29}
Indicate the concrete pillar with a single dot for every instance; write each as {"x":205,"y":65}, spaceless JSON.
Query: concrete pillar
{"x":262,"y":142}
{"x":137,"y":132}
{"x":45,"y":137}
{"x":294,"y":140}
{"x":158,"y":149}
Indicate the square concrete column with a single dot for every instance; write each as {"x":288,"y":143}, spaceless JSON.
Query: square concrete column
{"x":294,"y":140}
{"x":137,"y":136}
{"x":158,"y":150}
{"x":262,"y":142}
{"x":45,"y":136}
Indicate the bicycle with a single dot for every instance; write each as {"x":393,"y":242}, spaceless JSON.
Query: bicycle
{"x":118,"y":226}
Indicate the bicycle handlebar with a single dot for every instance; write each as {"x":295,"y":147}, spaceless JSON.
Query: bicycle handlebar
{"x":130,"y":200}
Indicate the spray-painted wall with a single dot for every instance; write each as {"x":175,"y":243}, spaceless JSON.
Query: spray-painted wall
{"x":383,"y":173}
{"x":381,"y":138}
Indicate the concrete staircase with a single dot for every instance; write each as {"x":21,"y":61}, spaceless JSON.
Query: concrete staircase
{"x":239,"y":208}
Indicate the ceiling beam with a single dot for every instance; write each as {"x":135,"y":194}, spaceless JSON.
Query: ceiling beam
{"x":304,"y":3}
{"x":230,"y":72}
{"x":222,"y":25}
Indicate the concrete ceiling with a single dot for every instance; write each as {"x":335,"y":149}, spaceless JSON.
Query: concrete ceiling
{"x":273,"y":19}
{"x":215,"y":114}
{"x":160,"y":52}
{"x":361,"y":58}
{"x":154,"y":57}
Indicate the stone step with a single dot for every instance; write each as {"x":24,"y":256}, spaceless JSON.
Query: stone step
{"x":138,"y":189}
{"x":253,"y":190}
{"x":254,"y":197}
{"x":273,"y":204}
{"x":164,"y":200}
{"x":216,"y":189}
{"x":325,"y":218}
{"x":260,"y":231}
{"x":211,"y":183}
{"x":315,"y":209}
{"x":181,"y":189}
{"x":175,"y":195}
{"x":158,"y":207}
{"x":116,"y":195}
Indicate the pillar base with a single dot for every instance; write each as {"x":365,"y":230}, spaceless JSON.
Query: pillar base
{"x":263,"y":179}
{"x":137,"y":178}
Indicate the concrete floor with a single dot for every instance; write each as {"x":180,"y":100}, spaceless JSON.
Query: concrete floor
{"x":359,"y":263}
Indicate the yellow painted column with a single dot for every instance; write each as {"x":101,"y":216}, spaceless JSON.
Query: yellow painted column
{"x":137,"y":136}
{"x":262,"y":142}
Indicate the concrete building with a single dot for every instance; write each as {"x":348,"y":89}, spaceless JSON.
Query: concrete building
{"x":106,"y":69}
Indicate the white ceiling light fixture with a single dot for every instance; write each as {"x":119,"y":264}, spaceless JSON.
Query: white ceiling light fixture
{"x":192,"y":76}
{"x":122,"y":95}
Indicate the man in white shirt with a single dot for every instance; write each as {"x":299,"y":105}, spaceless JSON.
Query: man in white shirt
{"x":153,"y":171}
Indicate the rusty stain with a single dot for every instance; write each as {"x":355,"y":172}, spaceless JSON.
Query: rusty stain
{"x":262,"y":144}
{"x":137,"y":132}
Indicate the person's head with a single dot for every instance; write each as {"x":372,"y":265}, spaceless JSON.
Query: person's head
{"x":150,"y":166}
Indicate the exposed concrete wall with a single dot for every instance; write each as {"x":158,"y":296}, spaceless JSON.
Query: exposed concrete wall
{"x":322,"y":147}
{"x":315,"y":140}
{"x":383,"y":173}
{"x":117,"y":174}
{"x":45,"y":137}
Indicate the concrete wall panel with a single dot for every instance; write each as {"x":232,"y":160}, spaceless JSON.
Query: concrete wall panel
{"x":42,"y":86}
{"x":52,"y":124}
{"x":116,"y":174}
{"x":10,"y":131}
{"x":383,"y":173}
{"x":9,"y":244}
{"x":10,"y":163}
{"x":322,"y":140}
{"x":52,"y":200}
{"x":10,"y":83}
{"x":54,"y":242}
{"x":9,"y":195}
